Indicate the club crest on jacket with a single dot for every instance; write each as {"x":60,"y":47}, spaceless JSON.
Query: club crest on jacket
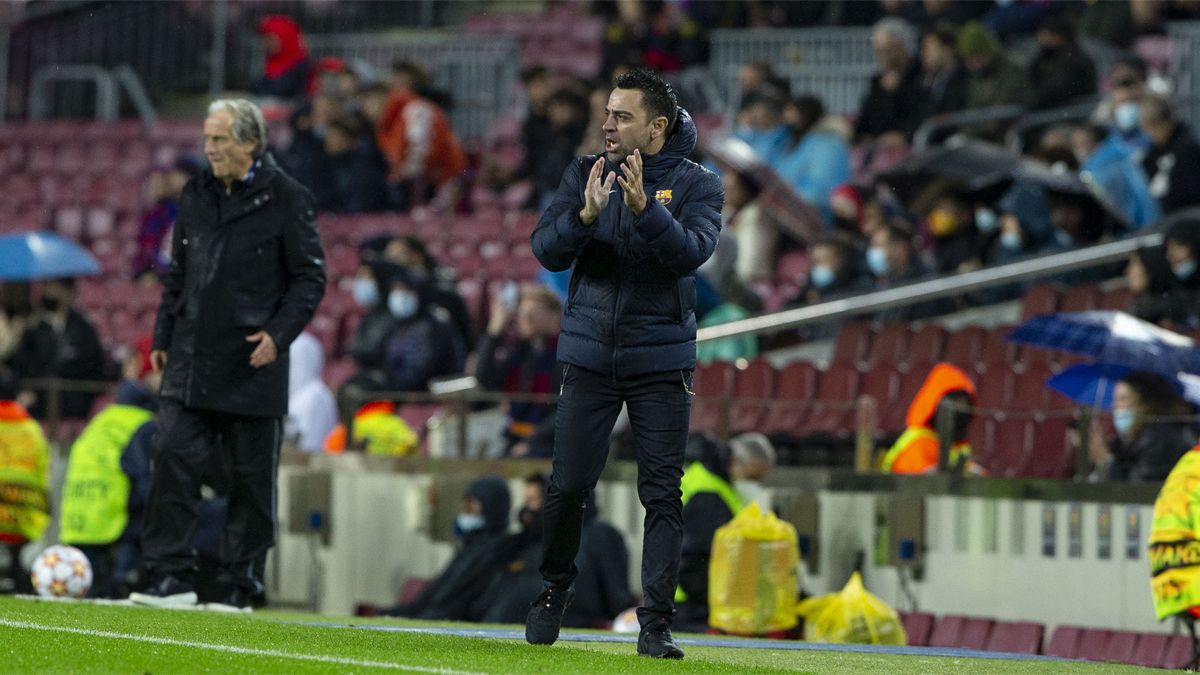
{"x":663,"y":197}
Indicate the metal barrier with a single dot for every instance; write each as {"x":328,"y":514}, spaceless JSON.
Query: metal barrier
{"x":951,"y":121}
{"x":480,"y":75}
{"x":833,"y":63}
{"x":109,"y":85}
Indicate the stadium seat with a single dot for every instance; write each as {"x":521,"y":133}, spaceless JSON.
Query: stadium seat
{"x":1151,"y":650}
{"x":1016,"y":637}
{"x":711,"y":383}
{"x":963,"y":347}
{"x":997,"y":353}
{"x":1120,"y":646}
{"x":795,"y":387}
{"x":947,"y":631}
{"x":753,"y":388}
{"x":926,"y":346}
{"x":1030,"y":392}
{"x":889,"y":348}
{"x":917,"y":627}
{"x":1010,"y":440}
{"x":850,"y":346}
{"x":975,"y":633}
{"x":1080,"y":298}
{"x":1117,"y":299}
{"x":1179,"y":652}
{"x":894,"y":419}
{"x":1040,"y":298}
{"x":881,"y":384}
{"x":1049,"y":456}
{"x":1093,"y":644}
{"x":833,"y":414}
{"x":1064,"y":642}
{"x":994,"y":389}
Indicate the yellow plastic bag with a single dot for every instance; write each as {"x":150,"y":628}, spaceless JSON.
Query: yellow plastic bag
{"x":752,"y":577}
{"x":852,"y":615}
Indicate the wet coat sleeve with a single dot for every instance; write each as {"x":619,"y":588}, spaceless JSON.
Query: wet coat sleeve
{"x":560,"y":235}
{"x":304,"y":262}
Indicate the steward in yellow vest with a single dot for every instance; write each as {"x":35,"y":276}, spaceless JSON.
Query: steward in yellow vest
{"x":379,"y":429}
{"x":709,"y":501}
{"x":916,"y":451}
{"x":24,"y":475}
{"x":1175,"y":541}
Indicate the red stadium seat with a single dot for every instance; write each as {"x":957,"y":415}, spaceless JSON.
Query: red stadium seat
{"x":881,"y":384}
{"x":1030,"y":392}
{"x":1093,"y":644}
{"x":975,"y":633}
{"x":1017,"y":637}
{"x":795,"y":387}
{"x":917,"y":627}
{"x":850,"y":346}
{"x":997,"y":353}
{"x":1080,"y":298}
{"x":1151,"y":650}
{"x":1117,"y":299}
{"x":946,"y":631}
{"x":1121,"y":646}
{"x":1179,"y":652}
{"x":1050,"y":456}
{"x":1064,"y":642}
{"x":712,"y":384}
{"x":889,"y":348}
{"x":894,"y":419}
{"x":1040,"y":299}
{"x":1010,"y":440}
{"x":753,"y":388}
{"x":833,"y":413}
{"x":926,"y":346}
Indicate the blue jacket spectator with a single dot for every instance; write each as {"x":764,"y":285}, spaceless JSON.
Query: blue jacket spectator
{"x":760,"y":125}
{"x":817,"y":158}
{"x":1113,"y":168}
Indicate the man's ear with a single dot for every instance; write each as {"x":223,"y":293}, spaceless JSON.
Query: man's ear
{"x":658,"y":127}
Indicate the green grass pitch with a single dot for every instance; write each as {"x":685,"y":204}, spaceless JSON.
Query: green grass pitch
{"x":76,"y":637}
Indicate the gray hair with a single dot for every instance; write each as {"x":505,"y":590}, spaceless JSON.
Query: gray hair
{"x":752,"y":446}
{"x":900,"y":30}
{"x":248,"y":123}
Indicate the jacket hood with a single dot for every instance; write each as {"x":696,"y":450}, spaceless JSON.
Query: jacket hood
{"x":943,"y":379}
{"x":492,"y":492}
{"x":292,"y":49}
{"x":305,"y":362}
{"x":680,"y":144}
{"x":132,"y":392}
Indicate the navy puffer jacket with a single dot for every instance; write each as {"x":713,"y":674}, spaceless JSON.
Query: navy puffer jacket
{"x":632,"y":300}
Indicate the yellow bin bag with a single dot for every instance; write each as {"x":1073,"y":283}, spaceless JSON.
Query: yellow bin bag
{"x":752,"y":577}
{"x":852,"y":615}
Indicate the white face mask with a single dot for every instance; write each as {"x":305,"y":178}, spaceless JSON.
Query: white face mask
{"x":1127,"y":116}
{"x":365,"y":293}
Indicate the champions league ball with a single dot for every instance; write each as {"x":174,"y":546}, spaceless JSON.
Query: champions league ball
{"x":62,"y":572}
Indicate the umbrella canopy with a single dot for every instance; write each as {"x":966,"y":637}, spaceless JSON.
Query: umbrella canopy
{"x":973,"y":166}
{"x":1098,"y":211}
{"x":1092,"y":384}
{"x":1112,"y":337}
{"x":43,"y":255}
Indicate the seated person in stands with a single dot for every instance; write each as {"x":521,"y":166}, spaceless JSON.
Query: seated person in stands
{"x":356,"y":168}
{"x":1183,"y":254}
{"x":761,"y":126}
{"x":483,"y":527}
{"x":368,"y":344}
{"x":527,"y":365}
{"x":1154,"y":296}
{"x":950,"y":222}
{"x":154,"y":236}
{"x":891,"y":110}
{"x":893,"y":261}
{"x":423,"y":344}
{"x":1154,"y":425}
{"x":947,"y":391}
{"x":817,"y":157}
{"x":286,"y":73}
{"x":506,"y":599}
{"x":441,"y":281}
{"x":25,"y":468}
{"x":834,"y":273}
{"x":61,"y":343}
{"x":1119,"y":176}
{"x":1172,"y":163}
{"x":757,"y":237}
{"x":710,"y":500}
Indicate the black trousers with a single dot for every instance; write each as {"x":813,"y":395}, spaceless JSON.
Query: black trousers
{"x":192,"y":446}
{"x":659,"y":408}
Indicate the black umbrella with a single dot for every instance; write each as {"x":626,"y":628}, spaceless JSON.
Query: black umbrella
{"x":1099,"y":213}
{"x":980,"y":169}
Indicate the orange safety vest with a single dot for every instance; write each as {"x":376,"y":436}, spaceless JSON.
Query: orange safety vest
{"x":916,"y":451}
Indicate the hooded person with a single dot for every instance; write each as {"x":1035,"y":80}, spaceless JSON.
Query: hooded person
{"x":287,"y":70}
{"x":423,"y":343}
{"x":312,"y":411}
{"x":483,"y":527}
{"x":947,"y":391}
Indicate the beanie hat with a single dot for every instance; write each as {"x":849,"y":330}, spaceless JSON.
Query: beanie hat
{"x":975,"y":39}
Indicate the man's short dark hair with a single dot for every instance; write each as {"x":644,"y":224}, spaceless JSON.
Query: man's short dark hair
{"x":657,"y":96}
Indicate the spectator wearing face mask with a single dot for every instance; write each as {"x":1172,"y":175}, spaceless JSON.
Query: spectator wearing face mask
{"x":950,"y":222}
{"x":834,"y":273}
{"x":1119,"y":176}
{"x":423,"y":343}
{"x":369,"y":341}
{"x":893,"y":261}
{"x":1120,"y":109}
{"x":440,"y":281}
{"x":1172,"y":161}
{"x":506,"y":599}
{"x":1154,"y":429}
{"x":1152,"y":287}
{"x":482,"y":526}
{"x":761,"y":125}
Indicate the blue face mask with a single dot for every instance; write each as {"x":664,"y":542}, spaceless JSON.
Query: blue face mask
{"x":877,"y":261}
{"x":1064,"y":238}
{"x":1011,"y":241}
{"x":1123,"y":419}
{"x":466,"y":523}
{"x":402,"y":304}
{"x":986,"y":220}
{"x":1127,"y":116}
{"x":365,"y":292}
{"x":821,"y":276}
{"x":1184,"y":269}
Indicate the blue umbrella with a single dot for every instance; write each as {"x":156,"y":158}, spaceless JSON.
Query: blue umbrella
{"x":1114,"y":338}
{"x":1089,"y":384}
{"x":43,"y":255}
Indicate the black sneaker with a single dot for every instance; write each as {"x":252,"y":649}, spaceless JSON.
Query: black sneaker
{"x":545,"y":617}
{"x":656,"y":641}
{"x":169,"y":591}
{"x":234,"y":600}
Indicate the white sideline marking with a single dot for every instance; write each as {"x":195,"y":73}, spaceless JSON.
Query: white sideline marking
{"x":235,"y":650}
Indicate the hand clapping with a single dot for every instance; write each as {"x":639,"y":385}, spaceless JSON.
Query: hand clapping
{"x":595,"y":193}
{"x":631,"y":183}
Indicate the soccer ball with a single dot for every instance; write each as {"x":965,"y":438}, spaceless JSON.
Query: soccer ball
{"x":62,"y":572}
{"x":626,"y":622}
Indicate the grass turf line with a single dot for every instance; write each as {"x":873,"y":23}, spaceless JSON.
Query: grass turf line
{"x":198,"y":642}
